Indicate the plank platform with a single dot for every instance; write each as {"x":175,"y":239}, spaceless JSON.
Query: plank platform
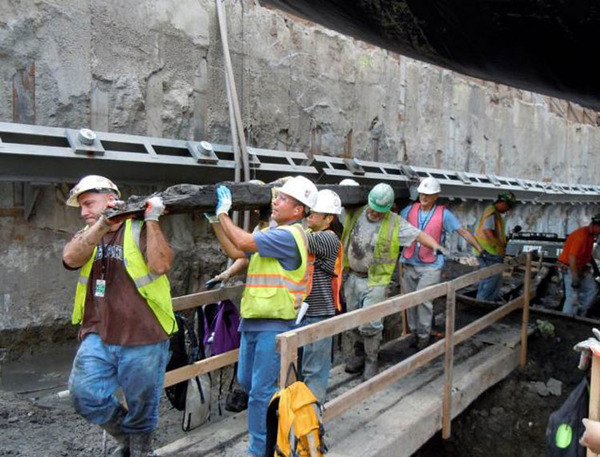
{"x":401,"y":418}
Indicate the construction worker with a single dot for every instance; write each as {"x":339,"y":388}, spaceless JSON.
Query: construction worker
{"x":276,"y":285}
{"x":490,"y":232}
{"x":421,"y":266}
{"x":123,"y":303}
{"x":372,"y":238}
{"x":576,"y":262}
{"x":325,"y":251}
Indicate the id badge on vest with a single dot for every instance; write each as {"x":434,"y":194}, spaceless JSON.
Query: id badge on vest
{"x":100,"y":288}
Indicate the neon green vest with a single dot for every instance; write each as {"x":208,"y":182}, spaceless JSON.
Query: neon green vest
{"x":386,"y":251}
{"x":499,"y":230}
{"x":272,"y":292}
{"x":155,"y":289}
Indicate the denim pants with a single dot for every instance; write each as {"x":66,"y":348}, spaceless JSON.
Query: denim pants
{"x":99,"y":369}
{"x":316,"y":362}
{"x":579,"y":301}
{"x":489,"y":288}
{"x":359,"y":295}
{"x":258,"y":371}
{"x":420,"y":317}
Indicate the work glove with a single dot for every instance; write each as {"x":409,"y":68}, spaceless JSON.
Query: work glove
{"x":212,"y":218}
{"x":485,"y":256}
{"x":575,"y":282}
{"x":591,"y":436}
{"x":217,"y":279}
{"x":442,"y":250}
{"x":588,"y":348}
{"x":154,"y":209}
{"x":223,"y":200}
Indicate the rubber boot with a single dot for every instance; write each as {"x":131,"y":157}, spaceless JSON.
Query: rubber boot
{"x":140,"y":444}
{"x":372,"y":344}
{"x":113,"y":428}
{"x":355,"y":363}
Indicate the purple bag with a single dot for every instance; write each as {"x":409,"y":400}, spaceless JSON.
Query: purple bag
{"x":221,"y":328}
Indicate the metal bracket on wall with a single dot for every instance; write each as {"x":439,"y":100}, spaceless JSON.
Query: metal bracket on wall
{"x":31,"y":195}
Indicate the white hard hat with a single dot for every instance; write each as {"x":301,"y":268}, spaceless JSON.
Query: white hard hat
{"x":302,"y":189}
{"x":91,"y":183}
{"x":348,"y":182}
{"x":429,"y":186}
{"x":328,"y":202}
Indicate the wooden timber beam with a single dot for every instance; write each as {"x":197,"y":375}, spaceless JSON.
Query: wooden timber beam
{"x":187,"y":198}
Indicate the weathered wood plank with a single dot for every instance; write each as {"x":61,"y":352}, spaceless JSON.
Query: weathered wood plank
{"x":186,"y":198}
{"x":203,"y":366}
{"x":207,"y":296}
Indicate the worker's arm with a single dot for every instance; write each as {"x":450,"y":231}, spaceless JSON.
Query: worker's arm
{"x":428,"y":241}
{"x":230,"y":249}
{"x":79,"y":250}
{"x":573,"y":266}
{"x":241,"y":240}
{"x":238,"y":267}
{"x":470,"y":238}
{"x":159,"y":255}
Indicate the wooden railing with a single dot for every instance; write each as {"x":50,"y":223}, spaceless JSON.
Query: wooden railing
{"x":289,"y":342}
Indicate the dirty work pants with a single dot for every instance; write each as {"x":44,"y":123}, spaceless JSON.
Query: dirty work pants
{"x":99,"y":369}
{"x":316,"y":362}
{"x":420,"y":317}
{"x":489,"y":288}
{"x":579,"y":301}
{"x":359,"y":295}
{"x":258,"y":371}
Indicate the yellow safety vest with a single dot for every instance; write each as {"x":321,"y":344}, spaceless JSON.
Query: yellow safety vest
{"x":499,"y":230}
{"x":272,"y":292}
{"x":386,"y":251}
{"x":155,"y":289}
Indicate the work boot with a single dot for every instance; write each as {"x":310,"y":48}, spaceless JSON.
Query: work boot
{"x":356,"y":362}
{"x":140,"y":444}
{"x":372,"y":344}
{"x":113,"y":428}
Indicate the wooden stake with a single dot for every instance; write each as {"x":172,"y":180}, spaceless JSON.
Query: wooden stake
{"x":288,"y":350}
{"x":448,"y":360}
{"x":526,"y":298}
{"x":594,"y":413}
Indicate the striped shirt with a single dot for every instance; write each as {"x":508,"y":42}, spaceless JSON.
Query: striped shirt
{"x":324,"y":245}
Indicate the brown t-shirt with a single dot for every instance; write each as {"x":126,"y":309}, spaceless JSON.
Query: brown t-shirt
{"x":122,"y":316}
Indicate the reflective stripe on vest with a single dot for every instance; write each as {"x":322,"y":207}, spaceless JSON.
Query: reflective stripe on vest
{"x":386,"y":250}
{"x":272,"y":292}
{"x":155,"y":289}
{"x":434,"y":227}
{"x":499,"y":231}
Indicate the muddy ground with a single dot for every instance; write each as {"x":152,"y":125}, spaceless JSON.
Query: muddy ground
{"x":508,"y":420}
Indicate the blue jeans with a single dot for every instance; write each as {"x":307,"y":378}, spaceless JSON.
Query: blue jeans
{"x":489,"y":288}
{"x":258,"y":371}
{"x":579,"y":301}
{"x":316,"y":362}
{"x":99,"y":369}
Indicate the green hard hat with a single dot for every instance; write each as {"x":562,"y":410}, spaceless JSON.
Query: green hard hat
{"x":509,"y":198}
{"x":381,"y":198}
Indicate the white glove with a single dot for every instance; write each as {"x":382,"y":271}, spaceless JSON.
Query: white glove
{"x":442,"y":250}
{"x":154,"y":209}
{"x":212,"y":218}
{"x":588,"y":348}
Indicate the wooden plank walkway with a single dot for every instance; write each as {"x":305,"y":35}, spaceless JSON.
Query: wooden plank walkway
{"x":396,"y":421}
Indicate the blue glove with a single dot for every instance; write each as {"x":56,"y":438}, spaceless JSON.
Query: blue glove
{"x":223,"y":200}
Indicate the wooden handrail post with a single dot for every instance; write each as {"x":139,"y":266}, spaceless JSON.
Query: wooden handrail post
{"x":526,"y":298}
{"x":594,"y":411}
{"x":448,"y":360}
{"x":288,"y":351}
